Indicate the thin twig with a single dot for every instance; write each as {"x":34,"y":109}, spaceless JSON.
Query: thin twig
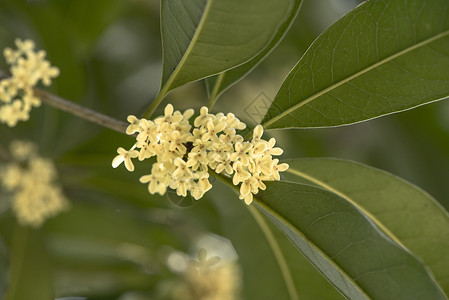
{"x":80,"y":111}
{"x":75,"y":109}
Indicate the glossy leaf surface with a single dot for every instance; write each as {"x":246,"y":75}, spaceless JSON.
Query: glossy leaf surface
{"x":259,"y":244}
{"x":202,"y":38}
{"x":383,"y":57}
{"x":408,"y":214}
{"x":344,"y":245}
{"x":218,"y":84}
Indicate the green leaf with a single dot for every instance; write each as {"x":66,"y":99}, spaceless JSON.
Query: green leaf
{"x":4,"y":267}
{"x":344,"y":244}
{"x":272,"y":266}
{"x":202,"y":38}
{"x":101,"y":247}
{"x":383,"y":57}
{"x":216,"y":85}
{"x":406,"y":213}
{"x":30,"y":276}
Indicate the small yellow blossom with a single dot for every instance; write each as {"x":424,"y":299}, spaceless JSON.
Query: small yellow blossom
{"x":209,"y":279}
{"x":125,"y":156}
{"x":12,"y":176}
{"x":30,"y":178}
{"x":242,"y":153}
{"x":28,"y":68}
{"x":158,"y":180}
{"x":134,"y":125}
{"x":241,"y":173}
{"x":185,"y":154}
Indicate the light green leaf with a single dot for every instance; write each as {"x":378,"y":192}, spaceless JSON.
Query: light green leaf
{"x":30,"y":276}
{"x":216,"y":85}
{"x":383,"y":57}
{"x":272,"y":267}
{"x":202,"y":38}
{"x":345,"y":245}
{"x":405,"y":212}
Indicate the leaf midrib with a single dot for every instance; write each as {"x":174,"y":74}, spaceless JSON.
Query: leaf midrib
{"x":350,"y":200}
{"x":277,"y":252}
{"x":312,"y":245}
{"x":349,"y":78}
{"x":181,"y":63}
{"x":294,"y":229}
{"x":272,"y":242}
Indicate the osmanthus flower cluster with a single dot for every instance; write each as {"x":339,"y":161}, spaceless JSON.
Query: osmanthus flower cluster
{"x":209,"y":279}
{"x":31,"y":179}
{"x":16,"y":92}
{"x":185,"y":153}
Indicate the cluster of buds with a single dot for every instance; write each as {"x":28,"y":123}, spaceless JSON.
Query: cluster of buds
{"x":31,"y":179}
{"x":209,"y":278}
{"x":185,"y":153}
{"x":16,"y":92}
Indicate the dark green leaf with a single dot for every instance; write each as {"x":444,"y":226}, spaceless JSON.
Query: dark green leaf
{"x":406,"y":213}
{"x":257,"y":240}
{"x":30,"y":276}
{"x":202,"y":38}
{"x":4,"y":267}
{"x":345,"y":245}
{"x":383,"y":57}
{"x":218,"y":84}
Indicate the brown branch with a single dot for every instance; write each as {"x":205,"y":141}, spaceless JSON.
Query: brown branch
{"x":75,"y":109}
{"x":80,"y":111}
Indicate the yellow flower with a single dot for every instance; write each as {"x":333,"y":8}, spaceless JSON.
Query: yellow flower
{"x":31,"y":180}
{"x":223,"y":163}
{"x":125,"y":156}
{"x":184,"y":154}
{"x":209,"y":279}
{"x":147,"y":131}
{"x":241,"y":174}
{"x":242,"y":152}
{"x":278,"y":168}
{"x":212,"y":130}
{"x":203,"y":181}
{"x":12,"y":113}
{"x":134,"y":125}
{"x":27,"y":69}
{"x":271,"y":150}
{"x":177,"y":141}
{"x":169,"y":117}
{"x":203,"y":118}
{"x":257,"y":133}
{"x":12,"y":176}
{"x":182,"y":170}
{"x":155,"y":184}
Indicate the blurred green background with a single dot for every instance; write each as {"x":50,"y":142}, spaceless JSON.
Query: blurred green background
{"x":117,"y":239}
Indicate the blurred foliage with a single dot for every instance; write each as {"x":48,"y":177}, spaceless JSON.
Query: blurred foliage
{"x":115,"y":240}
